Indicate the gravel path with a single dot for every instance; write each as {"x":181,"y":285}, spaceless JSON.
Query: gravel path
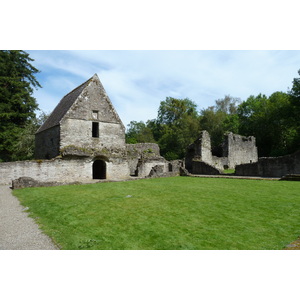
{"x":17,"y":230}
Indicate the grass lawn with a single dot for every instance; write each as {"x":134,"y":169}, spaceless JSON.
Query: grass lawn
{"x":229,"y":171}
{"x":169,"y":213}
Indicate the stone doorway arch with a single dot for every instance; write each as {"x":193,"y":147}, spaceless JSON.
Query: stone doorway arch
{"x":99,"y":169}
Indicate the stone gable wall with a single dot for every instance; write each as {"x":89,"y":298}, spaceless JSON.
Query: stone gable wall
{"x":94,"y":98}
{"x":239,"y":149}
{"x":75,"y":128}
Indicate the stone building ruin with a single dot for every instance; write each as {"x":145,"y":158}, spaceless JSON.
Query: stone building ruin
{"x":237,"y":150}
{"x":85,"y":126}
{"x":84,"y":139}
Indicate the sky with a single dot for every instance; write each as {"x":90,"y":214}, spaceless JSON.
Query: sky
{"x":137,"y":81}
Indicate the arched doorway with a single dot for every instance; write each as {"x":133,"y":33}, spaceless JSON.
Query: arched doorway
{"x":99,"y":169}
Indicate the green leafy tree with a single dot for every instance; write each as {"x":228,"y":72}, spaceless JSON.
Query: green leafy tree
{"x":139,"y":132}
{"x":295,"y":91}
{"x":268,"y":119}
{"x":25,"y":141}
{"x":227,"y":105}
{"x":177,"y":126}
{"x":172,"y":110}
{"x":17,"y":105}
{"x":295,"y":101}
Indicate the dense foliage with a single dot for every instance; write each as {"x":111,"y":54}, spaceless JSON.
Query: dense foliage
{"x":17,"y":106}
{"x":273,"y":120}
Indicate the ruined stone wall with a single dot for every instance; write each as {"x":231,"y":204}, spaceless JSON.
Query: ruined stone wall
{"x":175,"y":165}
{"x":219,"y":162}
{"x":61,"y":170}
{"x":145,"y":166}
{"x":200,"y":167}
{"x":271,"y":166}
{"x":203,"y":147}
{"x":199,"y":150}
{"x":239,"y":149}
{"x":142,"y":157}
{"x":47,"y":143}
{"x":142,"y":149}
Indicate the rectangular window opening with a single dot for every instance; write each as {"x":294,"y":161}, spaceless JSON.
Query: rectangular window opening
{"x":95,"y":114}
{"x":95,"y":130}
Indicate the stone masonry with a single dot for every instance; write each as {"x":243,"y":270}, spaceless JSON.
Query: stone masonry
{"x":84,"y":139}
{"x":237,"y":150}
{"x":271,"y":166}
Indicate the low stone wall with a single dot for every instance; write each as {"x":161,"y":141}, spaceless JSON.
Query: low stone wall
{"x":291,"y":177}
{"x":61,"y":170}
{"x":25,"y":182}
{"x":271,"y":166}
{"x":200,"y":167}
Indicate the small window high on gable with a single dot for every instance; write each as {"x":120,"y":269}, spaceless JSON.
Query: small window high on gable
{"x":95,"y":114}
{"x":95,"y":130}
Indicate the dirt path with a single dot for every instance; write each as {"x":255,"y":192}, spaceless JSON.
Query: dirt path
{"x":17,"y":230}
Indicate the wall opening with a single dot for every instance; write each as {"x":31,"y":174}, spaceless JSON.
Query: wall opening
{"x":95,"y":130}
{"x":95,"y":114}
{"x":99,"y":169}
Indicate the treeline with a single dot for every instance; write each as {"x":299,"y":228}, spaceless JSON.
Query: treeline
{"x":273,"y":120}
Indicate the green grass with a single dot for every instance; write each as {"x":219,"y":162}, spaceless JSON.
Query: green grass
{"x":169,"y":213}
{"x":229,"y":171}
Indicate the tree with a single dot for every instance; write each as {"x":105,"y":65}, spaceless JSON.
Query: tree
{"x":17,"y":106}
{"x":295,"y":101}
{"x":295,"y":91}
{"x":173,"y":110}
{"x":25,"y":140}
{"x":177,"y":126}
{"x":227,"y":105}
{"x":268,"y":119}
{"x":139,"y":132}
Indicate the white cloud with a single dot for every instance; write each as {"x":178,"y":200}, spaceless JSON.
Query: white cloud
{"x":136,"y":81}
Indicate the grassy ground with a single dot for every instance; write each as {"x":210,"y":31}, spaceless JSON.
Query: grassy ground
{"x":169,"y":213}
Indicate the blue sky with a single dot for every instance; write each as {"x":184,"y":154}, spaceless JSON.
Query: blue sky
{"x":137,"y":81}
